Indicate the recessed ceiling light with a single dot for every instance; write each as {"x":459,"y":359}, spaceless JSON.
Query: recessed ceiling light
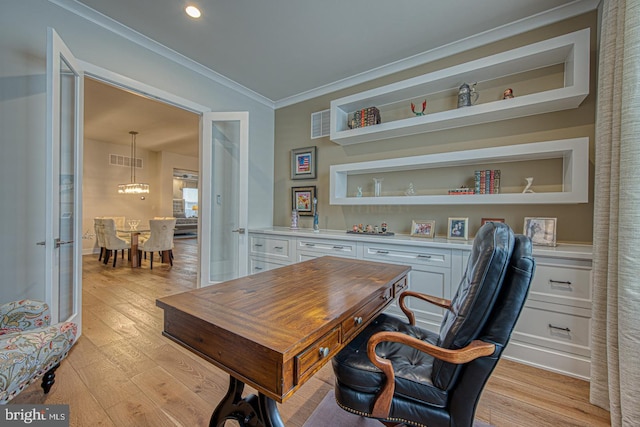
{"x":193,"y":11}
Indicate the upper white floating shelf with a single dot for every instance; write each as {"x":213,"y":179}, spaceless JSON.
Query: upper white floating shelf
{"x":571,"y":50}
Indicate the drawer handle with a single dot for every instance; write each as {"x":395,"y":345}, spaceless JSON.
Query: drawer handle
{"x":338,"y":247}
{"x":382,"y":252}
{"x":259,"y":245}
{"x":402,"y":285}
{"x":424,"y":256}
{"x":384,"y":297}
{"x":278,"y":247}
{"x":324,"y":352}
{"x":561,"y":282}
{"x":559,"y":328}
{"x":357,"y":320}
{"x":309,"y":244}
{"x":257,"y":268}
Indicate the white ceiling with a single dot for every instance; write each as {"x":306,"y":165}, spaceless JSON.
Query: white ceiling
{"x":283,"y":48}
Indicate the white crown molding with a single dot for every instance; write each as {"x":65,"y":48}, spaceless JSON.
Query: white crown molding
{"x":115,"y":27}
{"x":542,"y":19}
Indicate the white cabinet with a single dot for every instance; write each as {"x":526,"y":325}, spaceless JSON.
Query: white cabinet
{"x":571,"y":171}
{"x":553,"y":331}
{"x":566,"y":56}
{"x":430,"y":274}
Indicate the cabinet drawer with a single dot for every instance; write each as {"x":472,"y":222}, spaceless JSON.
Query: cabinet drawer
{"x":556,"y":327}
{"x":271,"y":246}
{"x":561,"y":285}
{"x":365,"y":313}
{"x":314,"y":356}
{"x":259,"y":265}
{"x":415,"y":256}
{"x":328,"y":247}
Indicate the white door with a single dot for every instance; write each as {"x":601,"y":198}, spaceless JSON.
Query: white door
{"x":63,"y":212}
{"x":224,"y":196}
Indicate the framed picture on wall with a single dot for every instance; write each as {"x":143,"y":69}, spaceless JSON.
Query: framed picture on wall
{"x":483,"y":221}
{"x":541,"y":231}
{"x":458,"y":228}
{"x":425,"y":228}
{"x":302,"y":199}
{"x":303,"y":163}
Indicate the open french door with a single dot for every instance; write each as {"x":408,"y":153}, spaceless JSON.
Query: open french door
{"x":224,"y":196}
{"x":63,"y":212}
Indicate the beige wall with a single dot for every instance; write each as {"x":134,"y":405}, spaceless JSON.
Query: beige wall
{"x":100,"y":181}
{"x":292,"y":130}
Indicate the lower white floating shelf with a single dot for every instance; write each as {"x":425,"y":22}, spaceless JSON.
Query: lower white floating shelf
{"x":575,"y":164}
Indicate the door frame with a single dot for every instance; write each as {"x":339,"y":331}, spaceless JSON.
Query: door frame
{"x":126,"y":83}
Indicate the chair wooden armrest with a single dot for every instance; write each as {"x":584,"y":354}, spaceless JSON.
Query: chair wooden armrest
{"x":440,"y":302}
{"x":382,"y":405}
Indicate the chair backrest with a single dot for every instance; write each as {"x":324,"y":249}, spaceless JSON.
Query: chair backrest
{"x":119,"y":220}
{"x":98,"y":228}
{"x":497,"y":329}
{"x":111,"y":239}
{"x":161,"y":237}
{"x":474,"y":300}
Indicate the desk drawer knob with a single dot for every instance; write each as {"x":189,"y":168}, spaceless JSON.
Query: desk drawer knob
{"x":324,"y":351}
{"x":357,"y":320}
{"x":384,"y":297}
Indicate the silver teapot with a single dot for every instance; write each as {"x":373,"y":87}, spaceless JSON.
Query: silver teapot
{"x":467,"y":95}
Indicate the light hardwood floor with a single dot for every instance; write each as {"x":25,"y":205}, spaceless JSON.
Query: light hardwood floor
{"x":123,"y":372}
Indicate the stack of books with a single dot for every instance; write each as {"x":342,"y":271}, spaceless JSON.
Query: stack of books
{"x":487,"y":181}
{"x":365,"y":117}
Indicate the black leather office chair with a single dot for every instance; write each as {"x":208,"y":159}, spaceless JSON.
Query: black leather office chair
{"x":400,"y":373}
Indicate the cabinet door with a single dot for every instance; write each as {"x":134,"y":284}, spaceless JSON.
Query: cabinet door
{"x":431,"y":281}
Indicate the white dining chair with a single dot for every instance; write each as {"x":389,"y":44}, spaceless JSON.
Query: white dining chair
{"x":112,"y":242}
{"x":160,"y":239}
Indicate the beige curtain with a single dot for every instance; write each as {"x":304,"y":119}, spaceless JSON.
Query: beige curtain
{"x":615,"y":361}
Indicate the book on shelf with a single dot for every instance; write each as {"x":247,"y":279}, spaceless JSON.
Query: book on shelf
{"x":487,"y":181}
{"x":366,"y":117}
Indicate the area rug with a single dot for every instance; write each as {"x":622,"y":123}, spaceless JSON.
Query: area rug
{"x":328,"y":413}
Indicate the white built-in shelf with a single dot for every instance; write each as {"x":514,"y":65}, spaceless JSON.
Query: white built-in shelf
{"x":572,"y":153}
{"x":569,"y":52}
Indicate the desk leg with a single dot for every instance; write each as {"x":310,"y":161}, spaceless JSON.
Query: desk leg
{"x":252,"y":411}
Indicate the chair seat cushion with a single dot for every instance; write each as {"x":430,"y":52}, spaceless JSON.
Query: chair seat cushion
{"x":26,"y":356}
{"x":412,"y":368}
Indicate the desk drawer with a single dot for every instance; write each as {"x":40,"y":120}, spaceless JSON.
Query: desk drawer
{"x":415,"y":256}
{"x":362,"y":316}
{"x":271,"y":246}
{"x":314,"y":356}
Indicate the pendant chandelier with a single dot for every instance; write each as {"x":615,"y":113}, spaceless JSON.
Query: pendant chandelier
{"x":133,"y":187}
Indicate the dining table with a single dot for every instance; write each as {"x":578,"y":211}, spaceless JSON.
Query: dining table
{"x":134,"y":233}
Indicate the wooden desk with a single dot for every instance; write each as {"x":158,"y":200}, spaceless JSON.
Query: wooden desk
{"x":275,"y":329}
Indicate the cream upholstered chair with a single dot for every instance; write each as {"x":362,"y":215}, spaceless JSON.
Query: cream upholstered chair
{"x":160,"y":239}
{"x":98,"y":229}
{"x":30,"y":347}
{"x":112,"y":242}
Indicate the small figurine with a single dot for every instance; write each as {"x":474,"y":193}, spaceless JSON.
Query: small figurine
{"x":383,"y":227}
{"x":376,"y":229}
{"x":410,"y":191}
{"x":359,"y":193}
{"x":369,"y":229}
{"x":467,"y":95}
{"x":528,"y":189}
{"x":424,"y":107}
{"x":355,"y":228}
{"x":508,"y":94}
{"x":360,"y":228}
{"x":294,"y":219}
